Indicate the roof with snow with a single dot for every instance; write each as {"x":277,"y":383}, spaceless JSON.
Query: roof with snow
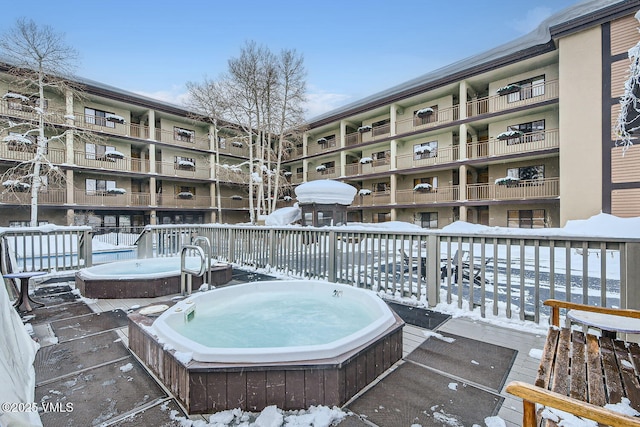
{"x":539,"y":41}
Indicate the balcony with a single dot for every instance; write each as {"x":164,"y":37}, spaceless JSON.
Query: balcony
{"x":435,"y":195}
{"x":49,"y":197}
{"x":325,"y":144}
{"x":95,"y":161}
{"x":23,"y":154}
{"x":374,"y":134}
{"x":327,"y":173}
{"x":182,"y":171}
{"x":234,"y":203}
{"x":526,"y":96}
{"x":101,"y":198}
{"x":546,"y":188}
{"x":526,"y":143}
{"x":9,"y":108}
{"x":173,"y":201}
{"x":170,"y":137}
{"x":440,"y":156}
{"x":376,"y":198}
{"x":441,"y":117}
{"x":377,"y":166}
{"x":232,"y":175}
{"x":234,"y":148}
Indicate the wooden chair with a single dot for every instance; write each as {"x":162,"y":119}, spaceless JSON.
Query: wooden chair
{"x":580,"y":373}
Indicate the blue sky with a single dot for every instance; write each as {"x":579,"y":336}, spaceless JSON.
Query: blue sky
{"x":351,"y":48}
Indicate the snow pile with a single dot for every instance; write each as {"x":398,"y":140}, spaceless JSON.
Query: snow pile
{"x":325,"y":191}
{"x":284,"y":216}
{"x":271,"y":416}
{"x":17,"y":375}
{"x":601,"y":225}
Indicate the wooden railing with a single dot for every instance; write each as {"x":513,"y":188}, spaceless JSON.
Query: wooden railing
{"x":324,"y":174}
{"x":504,"y":274}
{"x":376,"y":198}
{"x":22,"y":154}
{"x":527,"y":96}
{"x":441,"y":155}
{"x":368,"y":168}
{"x":526,"y":143}
{"x":435,"y":195}
{"x":48,"y":197}
{"x":441,"y":117}
{"x":92,"y":160}
{"x":173,"y":169}
{"x":95,"y":198}
{"x":173,"y":201}
{"x":521,"y":190}
{"x":314,"y":147}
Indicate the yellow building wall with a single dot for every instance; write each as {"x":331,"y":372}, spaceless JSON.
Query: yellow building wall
{"x":580,"y":124}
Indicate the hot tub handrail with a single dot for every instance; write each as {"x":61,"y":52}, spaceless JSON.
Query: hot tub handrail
{"x":207,"y":250}
{"x":186,"y":273}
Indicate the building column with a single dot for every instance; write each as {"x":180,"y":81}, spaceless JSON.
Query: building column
{"x":462,"y":100}
{"x":462,"y":143}
{"x":70,"y":121}
{"x":305,"y":142}
{"x":69,"y":187}
{"x":393,"y":149}
{"x":70,"y":217}
{"x":394,"y":214}
{"x":343,"y":163}
{"x":152,"y":124}
{"x":393,"y":181}
{"x":152,"y":158}
{"x":393,"y":110}
{"x":153,"y":219}
{"x":462,"y":179}
{"x":343,"y":133}
{"x":152,"y":191}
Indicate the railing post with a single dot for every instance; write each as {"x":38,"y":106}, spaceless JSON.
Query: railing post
{"x":433,"y":269}
{"x":630,"y":276}
{"x":272,"y":248}
{"x":87,"y":238}
{"x":332,"y":273}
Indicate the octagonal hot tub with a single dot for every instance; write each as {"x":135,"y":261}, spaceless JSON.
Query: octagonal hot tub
{"x":289,"y":343}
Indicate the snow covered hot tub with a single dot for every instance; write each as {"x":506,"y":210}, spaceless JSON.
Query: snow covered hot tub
{"x":287,"y":343}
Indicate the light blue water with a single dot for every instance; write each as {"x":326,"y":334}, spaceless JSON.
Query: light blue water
{"x":277,"y":319}
{"x":144,"y":266}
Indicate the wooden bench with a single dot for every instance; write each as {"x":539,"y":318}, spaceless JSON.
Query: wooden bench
{"x":579,"y":373}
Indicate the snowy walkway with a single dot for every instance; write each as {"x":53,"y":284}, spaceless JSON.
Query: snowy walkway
{"x":106,"y":384}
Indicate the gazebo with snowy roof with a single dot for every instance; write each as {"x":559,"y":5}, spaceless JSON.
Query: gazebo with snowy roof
{"x":324,"y":202}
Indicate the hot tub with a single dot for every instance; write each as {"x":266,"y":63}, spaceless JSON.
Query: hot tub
{"x":295,"y":350}
{"x":143,"y":278}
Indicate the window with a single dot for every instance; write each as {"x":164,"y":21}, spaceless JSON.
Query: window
{"x":329,"y":168}
{"x":425,"y":150}
{"x":428,"y":219}
{"x":98,"y":186}
{"x":381,"y":187}
{"x":532,"y":131}
{"x":533,"y":218}
{"x":98,"y":152}
{"x":529,"y":88}
{"x":183,"y":191}
{"x":527,"y":173}
{"x":381,"y":127}
{"x":21,"y":142}
{"x":222,"y":143}
{"x":98,"y":117}
{"x":327,"y":141}
{"x":184,"y":135}
{"x":425,"y":115}
{"x":299,"y":173}
{"x":428,"y":183}
{"x":381,"y":217}
{"x":18,"y":101}
{"x":184,"y":163}
{"x":381,"y":158}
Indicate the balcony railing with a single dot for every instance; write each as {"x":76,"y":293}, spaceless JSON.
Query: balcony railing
{"x":376,"y":166}
{"x":48,"y":197}
{"x":92,"y":160}
{"x":174,"y":169}
{"x":169,"y":137}
{"x":526,"y":143}
{"x":440,"y":117}
{"x":235,"y":148}
{"x":173,"y":201}
{"x":27,"y":113}
{"x":101,"y":198}
{"x":521,"y":190}
{"x":9,"y":152}
{"x":227,"y":174}
{"x":376,"y":198}
{"x":314,"y":147}
{"x":234,"y":203}
{"x":435,"y":195}
{"x":441,"y":155}
{"x":324,"y":174}
{"x":527,"y":96}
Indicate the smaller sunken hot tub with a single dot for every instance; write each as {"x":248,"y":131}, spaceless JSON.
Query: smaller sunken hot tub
{"x":143,"y":278}
{"x":258,"y":344}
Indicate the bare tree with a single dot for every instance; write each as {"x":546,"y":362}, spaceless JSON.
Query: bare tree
{"x":262,"y":94}
{"x":39,"y":62}
{"x":628,"y":122}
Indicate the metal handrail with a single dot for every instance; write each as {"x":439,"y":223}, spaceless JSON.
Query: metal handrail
{"x":207,"y":251}
{"x":184,"y":271}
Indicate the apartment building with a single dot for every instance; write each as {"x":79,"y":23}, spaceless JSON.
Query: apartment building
{"x":518,"y":136}
{"x":132,"y":161}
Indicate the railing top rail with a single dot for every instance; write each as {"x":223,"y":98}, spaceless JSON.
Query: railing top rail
{"x":537,"y":234}
{"x":43,"y":229}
